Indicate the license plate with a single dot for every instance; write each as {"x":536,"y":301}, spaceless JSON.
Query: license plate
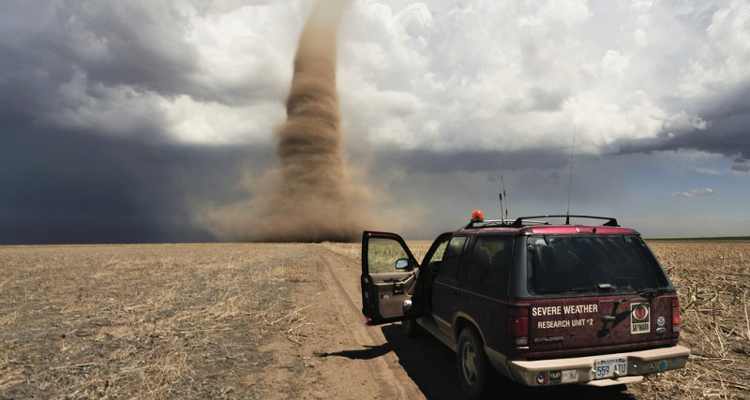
{"x":606,"y":368}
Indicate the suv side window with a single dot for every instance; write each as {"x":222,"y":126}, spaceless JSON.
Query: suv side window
{"x":436,"y":252}
{"x":452,"y":258}
{"x":439,"y":252}
{"x":490,"y":262}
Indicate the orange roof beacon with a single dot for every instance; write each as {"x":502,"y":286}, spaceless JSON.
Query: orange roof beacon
{"x":477,"y":216}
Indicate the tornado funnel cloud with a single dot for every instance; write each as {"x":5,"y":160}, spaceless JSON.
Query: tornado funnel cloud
{"x":309,"y":197}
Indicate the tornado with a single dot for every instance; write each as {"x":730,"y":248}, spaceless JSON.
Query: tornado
{"x":310,"y":197}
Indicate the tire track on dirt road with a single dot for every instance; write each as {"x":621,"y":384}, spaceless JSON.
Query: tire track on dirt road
{"x":394,"y":382}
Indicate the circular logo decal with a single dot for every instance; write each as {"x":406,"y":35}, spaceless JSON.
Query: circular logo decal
{"x":542,"y":378}
{"x":661,"y":321}
{"x":640,"y":312}
{"x":662,"y":365}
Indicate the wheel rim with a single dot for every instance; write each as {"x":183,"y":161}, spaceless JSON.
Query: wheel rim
{"x":469,"y":363}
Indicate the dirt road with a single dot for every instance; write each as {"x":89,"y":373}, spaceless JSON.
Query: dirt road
{"x":350,"y":360}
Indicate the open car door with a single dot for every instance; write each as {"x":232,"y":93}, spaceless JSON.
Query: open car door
{"x":389,"y":278}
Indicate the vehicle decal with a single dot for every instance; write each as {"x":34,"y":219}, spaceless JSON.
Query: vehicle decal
{"x":640,"y":318}
{"x":570,"y":376}
{"x":565,"y":323}
{"x":549,"y":339}
{"x":564,"y":311}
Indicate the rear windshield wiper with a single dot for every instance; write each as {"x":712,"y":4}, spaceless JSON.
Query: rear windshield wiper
{"x":605,"y":286}
{"x":652,"y":292}
{"x":579,"y":289}
{"x":648,"y":293}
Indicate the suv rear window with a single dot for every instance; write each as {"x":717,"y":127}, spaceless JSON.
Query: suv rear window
{"x":581,"y":264}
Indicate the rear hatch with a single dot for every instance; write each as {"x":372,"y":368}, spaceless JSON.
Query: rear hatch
{"x":596,"y":293}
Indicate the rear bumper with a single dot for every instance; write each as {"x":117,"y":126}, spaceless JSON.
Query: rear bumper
{"x":580,"y":370}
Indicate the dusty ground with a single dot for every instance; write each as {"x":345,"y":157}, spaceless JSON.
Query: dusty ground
{"x":283,"y":322}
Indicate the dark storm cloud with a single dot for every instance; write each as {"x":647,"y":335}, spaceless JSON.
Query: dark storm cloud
{"x":57,"y":57}
{"x":467,"y":161}
{"x":129,"y":43}
{"x":114,"y":43}
{"x":727,"y":133}
{"x":68,"y":187}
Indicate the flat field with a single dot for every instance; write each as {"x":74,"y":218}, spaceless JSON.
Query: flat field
{"x":273,"y":321}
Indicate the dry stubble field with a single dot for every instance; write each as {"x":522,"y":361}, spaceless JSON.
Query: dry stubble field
{"x":260,"y":321}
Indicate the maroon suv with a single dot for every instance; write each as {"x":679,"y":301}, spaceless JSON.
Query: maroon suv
{"x":544,"y":304}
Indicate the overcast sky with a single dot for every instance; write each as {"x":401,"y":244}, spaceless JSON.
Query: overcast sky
{"x":124,"y":121}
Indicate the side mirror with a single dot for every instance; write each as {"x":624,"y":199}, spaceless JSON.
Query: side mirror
{"x":402,"y":263}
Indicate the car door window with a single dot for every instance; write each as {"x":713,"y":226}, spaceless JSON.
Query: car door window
{"x":452,"y":258}
{"x":383,"y":254}
{"x":437,"y":250}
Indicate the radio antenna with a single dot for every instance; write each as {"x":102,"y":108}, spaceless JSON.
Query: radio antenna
{"x":502,"y":219}
{"x":503,"y":210}
{"x":502,"y":180}
{"x":570,"y":179}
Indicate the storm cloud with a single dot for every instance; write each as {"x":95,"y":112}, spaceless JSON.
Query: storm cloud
{"x":727,"y":130}
{"x":123,"y":121}
{"x":68,"y":187}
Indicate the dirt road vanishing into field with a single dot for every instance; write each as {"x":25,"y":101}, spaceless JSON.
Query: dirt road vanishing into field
{"x":264,"y":321}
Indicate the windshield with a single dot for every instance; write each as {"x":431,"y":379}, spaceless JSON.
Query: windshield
{"x":581,"y":264}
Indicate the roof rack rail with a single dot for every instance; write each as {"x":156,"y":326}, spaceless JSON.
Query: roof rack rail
{"x":521,"y":220}
{"x":487,"y":223}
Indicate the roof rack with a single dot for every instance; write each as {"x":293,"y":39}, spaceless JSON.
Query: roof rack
{"x":487,"y":223}
{"x":535,"y":220}
{"x":521,"y":221}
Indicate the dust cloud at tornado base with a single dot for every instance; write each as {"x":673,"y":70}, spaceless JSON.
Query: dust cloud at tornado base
{"x":309,"y":196}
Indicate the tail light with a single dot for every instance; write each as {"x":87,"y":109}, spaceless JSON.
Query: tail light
{"x":518,"y":326}
{"x":676,"y":315}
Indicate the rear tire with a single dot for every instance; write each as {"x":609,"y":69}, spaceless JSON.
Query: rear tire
{"x":411,"y":328}
{"x":472,"y":364}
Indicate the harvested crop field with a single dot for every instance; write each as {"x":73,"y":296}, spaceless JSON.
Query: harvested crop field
{"x":263,"y":321}
{"x":713,"y":281}
{"x":144,"y":321}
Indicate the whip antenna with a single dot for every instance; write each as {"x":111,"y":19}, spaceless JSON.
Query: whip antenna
{"x":502,"y":180}
{"x":503,"y":210}
{"x":502,"y":219}
{"x":570,"y":180}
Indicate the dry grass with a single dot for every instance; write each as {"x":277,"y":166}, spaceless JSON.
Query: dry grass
{"x":354,"y":251}
{"x":713,"y":281}
{"x":205,"y":321}
{"x":143,"y":321}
